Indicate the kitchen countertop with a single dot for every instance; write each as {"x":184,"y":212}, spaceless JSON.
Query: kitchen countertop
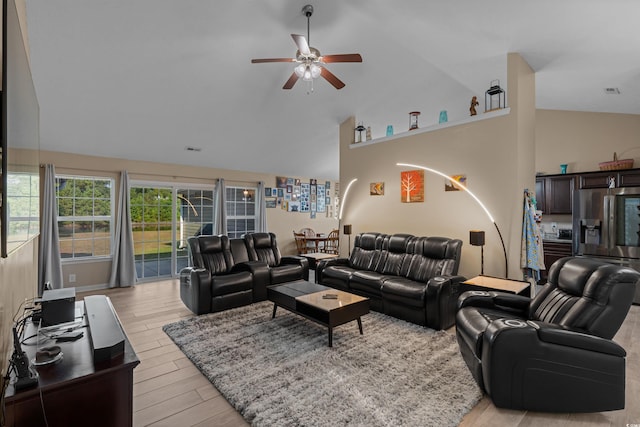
{"x":556,"y":240}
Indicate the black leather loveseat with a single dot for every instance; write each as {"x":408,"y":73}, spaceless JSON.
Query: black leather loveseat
{"x":228,"y":273}
{"x":408,"y":277}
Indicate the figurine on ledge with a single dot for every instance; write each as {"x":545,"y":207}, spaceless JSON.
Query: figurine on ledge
{"x":474,"y":103}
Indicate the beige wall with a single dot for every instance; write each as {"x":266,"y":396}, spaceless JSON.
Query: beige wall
{"x":282,"y":223}
{"x":496,"y":155}
{"x":582,"y":139}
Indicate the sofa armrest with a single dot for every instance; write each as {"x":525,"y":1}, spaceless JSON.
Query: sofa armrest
{"x":441,"y":295}
{"x":560,"y":335}
{"x":301,"y":261}
{"x":324,"y":263}
{"x":504,"y":301}
{"x":195,"y":289}
{"x":260,"y":275}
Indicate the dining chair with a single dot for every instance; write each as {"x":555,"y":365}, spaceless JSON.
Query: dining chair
{"x":309,"y":232}
{"x":331,"y":245}
{"x":301,"y":242}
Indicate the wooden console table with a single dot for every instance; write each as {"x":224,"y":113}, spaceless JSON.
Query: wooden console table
{"x":74,"y":392}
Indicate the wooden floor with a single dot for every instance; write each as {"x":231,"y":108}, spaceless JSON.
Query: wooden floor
{"x":170,"y":391}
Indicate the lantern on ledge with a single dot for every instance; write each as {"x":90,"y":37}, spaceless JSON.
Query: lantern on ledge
{"x":360,"y":128}
{"x":494,"y":97}
{"x":413,"y":120}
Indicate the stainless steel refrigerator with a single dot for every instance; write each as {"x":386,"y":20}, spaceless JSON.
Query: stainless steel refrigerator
{"x":606,"y":225}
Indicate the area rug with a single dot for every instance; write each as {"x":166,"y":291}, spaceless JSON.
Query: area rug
{"x":280,"y":372}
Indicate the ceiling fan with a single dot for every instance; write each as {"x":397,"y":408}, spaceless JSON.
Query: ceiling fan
{"x":311,"y":64}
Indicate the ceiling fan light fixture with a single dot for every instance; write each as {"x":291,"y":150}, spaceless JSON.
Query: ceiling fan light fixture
{"x":315,"y":71}
{"x":307,"y":74}
{"x":299,"y":70}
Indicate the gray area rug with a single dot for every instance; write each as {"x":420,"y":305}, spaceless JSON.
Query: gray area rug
{"x":280,"y":372}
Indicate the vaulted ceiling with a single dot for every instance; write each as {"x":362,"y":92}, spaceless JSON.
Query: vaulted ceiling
{"x":144,"y":79}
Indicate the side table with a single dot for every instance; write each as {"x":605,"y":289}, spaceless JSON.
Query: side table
{"x":489,"y":283}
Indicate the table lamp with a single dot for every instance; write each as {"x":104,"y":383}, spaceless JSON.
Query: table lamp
{"x":476,"y":238}
{"x":347,"y":231}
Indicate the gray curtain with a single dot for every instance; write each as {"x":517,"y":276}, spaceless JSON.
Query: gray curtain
{"x":221,"y":207}
{"x":49,"y":266}
{"x":261,"y":226}
{"x":123,"y":267}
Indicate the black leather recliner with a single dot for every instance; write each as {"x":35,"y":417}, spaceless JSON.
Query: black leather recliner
{"x":264,"y":247}
{"x":552,"y":353}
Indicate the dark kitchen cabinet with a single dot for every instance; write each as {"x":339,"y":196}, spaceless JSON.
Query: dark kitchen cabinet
{"x":554,"y":194}
{"x":553,"y":251}
{"x":629,"y":178}
{"x":597,"y":180}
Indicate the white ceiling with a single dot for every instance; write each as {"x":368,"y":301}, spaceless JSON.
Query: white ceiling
{"x":143,"y":79}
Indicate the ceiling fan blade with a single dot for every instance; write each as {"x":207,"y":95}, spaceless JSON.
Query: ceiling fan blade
{"x":258,"y":61}
{"x":347,"y":57}
{"x":331,"y":78}
{"x":302,"y":44}
{"x":292,"y":80}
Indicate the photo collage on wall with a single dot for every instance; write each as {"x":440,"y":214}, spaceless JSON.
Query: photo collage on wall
{"x":293,"y":195}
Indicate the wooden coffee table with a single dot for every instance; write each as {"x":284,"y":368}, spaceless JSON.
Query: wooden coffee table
{"x":309,"y":300}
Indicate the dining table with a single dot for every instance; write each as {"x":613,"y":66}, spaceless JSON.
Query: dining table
{"x":317,"y":239}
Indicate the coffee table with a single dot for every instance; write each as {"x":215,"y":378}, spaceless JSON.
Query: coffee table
{"x":306,"y":299}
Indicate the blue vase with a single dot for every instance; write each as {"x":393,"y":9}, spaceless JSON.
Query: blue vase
{"x":389,"y":130}
{"x":443,"y":117}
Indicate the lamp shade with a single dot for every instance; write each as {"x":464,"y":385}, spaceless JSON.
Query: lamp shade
{"x":476,"y":237}
{"x":347,"y":229}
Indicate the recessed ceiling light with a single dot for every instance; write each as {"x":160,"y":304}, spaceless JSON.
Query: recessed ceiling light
{"x":196,"y":149}
{"x":612,"y":91}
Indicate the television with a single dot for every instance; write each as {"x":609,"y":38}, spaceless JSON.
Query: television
{"x":20,"y":206}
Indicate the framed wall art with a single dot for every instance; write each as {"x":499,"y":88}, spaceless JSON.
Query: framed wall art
{"x":376,"y":189}
{"x":412,"y":186}
{"x":452,"y":186}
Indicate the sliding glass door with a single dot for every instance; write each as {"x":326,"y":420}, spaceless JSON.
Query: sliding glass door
{"x":163,"y":217}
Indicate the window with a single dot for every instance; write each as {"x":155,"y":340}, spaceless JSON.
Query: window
{"x":241,"y":211}
{"x":85,"y":213}
{"x":23,"y":208}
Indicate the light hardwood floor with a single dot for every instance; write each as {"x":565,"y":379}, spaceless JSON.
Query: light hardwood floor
{"x":170,"y":391}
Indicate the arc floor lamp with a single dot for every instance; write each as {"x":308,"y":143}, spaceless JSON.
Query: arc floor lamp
{"x":484,"y":208}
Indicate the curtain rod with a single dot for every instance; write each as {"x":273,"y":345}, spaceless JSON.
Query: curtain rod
{"x":116,"y":172}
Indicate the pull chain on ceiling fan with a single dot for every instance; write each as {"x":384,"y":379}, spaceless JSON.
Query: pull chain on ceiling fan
{"x":311,"y":64}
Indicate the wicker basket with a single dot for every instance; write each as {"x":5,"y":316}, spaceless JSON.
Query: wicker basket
{"x":616,"y":164}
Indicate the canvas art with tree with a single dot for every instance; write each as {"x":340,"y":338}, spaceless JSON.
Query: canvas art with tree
{"x":412,"y":186}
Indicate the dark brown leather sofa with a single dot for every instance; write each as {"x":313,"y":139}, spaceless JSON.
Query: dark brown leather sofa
{"x":228,"y":273}
{"x":408,"y":277}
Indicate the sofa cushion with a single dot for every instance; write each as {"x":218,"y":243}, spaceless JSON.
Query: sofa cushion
{"x":231,"y":283}
{"x":394,"y":254}
{"x":214,"y":254}
{"x":404,"y":291}
{"x":369,"y":282}
{"x":366,"y":252}
{"x":433,"y":256}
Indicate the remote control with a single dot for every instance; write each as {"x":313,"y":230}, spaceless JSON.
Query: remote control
{"x":330,"y":296}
